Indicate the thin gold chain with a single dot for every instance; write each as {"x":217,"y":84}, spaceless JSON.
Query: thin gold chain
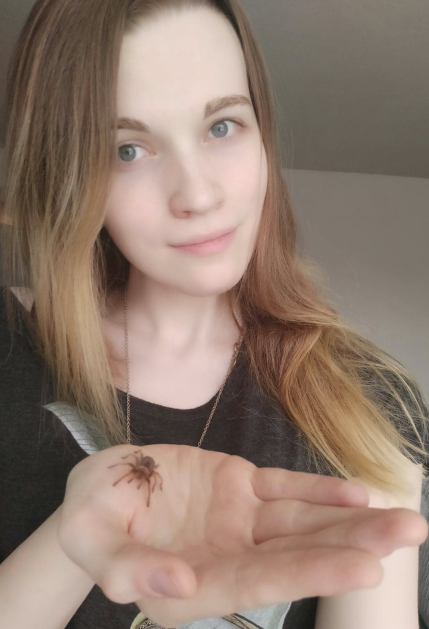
{"x":233,"y":361}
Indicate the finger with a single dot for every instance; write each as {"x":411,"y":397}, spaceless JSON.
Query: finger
{"x":378,"y":531}
{"x":271,"y":483}
{"x":299,"y":573}
{"x":278,"y":518}
{"x":124,"y":569}
{"x":256,"y":580}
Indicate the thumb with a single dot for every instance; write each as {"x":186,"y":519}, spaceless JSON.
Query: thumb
{"x":123,"y":568}
{"x":136,"y":570}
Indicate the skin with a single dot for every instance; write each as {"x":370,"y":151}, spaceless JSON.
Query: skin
{"x":188,"y":177}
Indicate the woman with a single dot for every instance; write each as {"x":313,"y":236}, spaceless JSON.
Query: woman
{"x":135,"y":127}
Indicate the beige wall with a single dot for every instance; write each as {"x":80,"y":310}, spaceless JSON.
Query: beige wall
{"x":370,"y":234}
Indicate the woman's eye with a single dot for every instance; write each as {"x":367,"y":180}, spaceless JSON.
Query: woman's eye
{"x":221,"y":127}
{"x":128,"y":151}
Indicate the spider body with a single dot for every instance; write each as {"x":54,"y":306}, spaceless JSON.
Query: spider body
{"x":143,"y":469}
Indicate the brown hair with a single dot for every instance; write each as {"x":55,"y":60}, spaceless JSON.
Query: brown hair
{"x":351,"y":400}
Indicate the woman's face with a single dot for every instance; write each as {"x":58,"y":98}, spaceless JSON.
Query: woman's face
{"x":187,"y":175}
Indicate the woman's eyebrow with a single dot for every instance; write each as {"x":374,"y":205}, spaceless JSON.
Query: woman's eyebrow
{"x":211,"y":108}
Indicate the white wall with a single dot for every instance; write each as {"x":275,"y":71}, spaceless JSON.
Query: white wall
{"x":370,"y":234}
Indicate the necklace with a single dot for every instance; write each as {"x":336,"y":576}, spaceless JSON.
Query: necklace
{"x":142,"y":621}
{"x":232,"y":363}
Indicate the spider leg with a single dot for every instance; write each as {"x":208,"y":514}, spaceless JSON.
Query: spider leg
{"x":144,"y":477}
{"x":129,"y":454}
{"x":154,"y":484}
{"x":141,"y":474}
{"x":109,"y":466}
{"x":132,"y":454}
{"x":159,"y":477}
{"x":130,"y":472}
{"x":148,"y":493}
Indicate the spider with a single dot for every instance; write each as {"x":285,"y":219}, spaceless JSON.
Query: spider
{"x":143,"y":468}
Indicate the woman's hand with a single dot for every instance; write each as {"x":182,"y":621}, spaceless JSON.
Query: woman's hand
{"x":229,"y":535}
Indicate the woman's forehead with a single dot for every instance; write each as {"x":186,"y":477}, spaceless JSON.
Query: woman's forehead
{"x":192,"y":51}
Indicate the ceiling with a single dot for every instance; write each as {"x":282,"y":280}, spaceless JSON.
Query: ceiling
{"x":351,"y":79}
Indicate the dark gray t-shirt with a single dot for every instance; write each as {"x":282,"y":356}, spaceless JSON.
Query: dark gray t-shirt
{"x":42,"y":439}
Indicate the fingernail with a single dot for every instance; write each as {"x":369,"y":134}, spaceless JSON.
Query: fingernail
{"x":161,"y":583}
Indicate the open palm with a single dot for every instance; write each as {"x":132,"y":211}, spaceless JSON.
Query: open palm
{"x":232,"y":536}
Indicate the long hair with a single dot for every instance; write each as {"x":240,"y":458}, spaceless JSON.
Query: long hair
{"x":356,"y":406}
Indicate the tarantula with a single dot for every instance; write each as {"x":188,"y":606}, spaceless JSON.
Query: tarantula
{"x":143,"y":468}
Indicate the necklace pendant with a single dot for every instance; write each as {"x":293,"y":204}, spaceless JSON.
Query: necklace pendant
{"x":148,"y":623}
{"x":141,"y":621}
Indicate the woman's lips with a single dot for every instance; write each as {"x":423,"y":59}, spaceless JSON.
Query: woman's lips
{"x":215,"y":235}
{"x":210,"y":246}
